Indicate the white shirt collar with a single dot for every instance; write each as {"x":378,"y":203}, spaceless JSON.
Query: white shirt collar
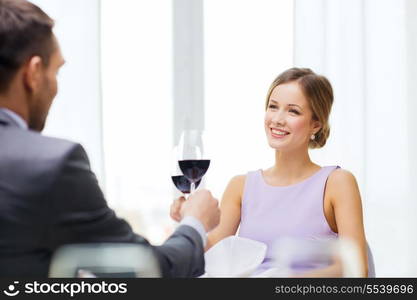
{"x":18,"y":119}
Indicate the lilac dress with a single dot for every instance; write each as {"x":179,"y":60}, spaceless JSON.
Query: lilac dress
{"x":270,"y":212}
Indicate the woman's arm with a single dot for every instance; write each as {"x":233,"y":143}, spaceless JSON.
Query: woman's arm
{"x":343,"y":194}
{"x":230,"y":211}
{"x":345,"y":199}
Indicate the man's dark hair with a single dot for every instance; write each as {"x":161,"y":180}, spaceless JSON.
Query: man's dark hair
{"x":25,"y":31}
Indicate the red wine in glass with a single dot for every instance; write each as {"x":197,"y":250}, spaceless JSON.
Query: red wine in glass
{"x":194,"y":169}
{"x":183,"y":184}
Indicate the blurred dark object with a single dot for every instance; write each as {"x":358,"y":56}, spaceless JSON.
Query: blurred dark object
{"x":108,"y":260}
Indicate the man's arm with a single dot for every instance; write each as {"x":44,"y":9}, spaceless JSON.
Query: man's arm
{"x":182,"y":255}
{"x":79,"y":214}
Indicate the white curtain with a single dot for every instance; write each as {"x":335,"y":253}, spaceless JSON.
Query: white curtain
{"x":367,"y":49}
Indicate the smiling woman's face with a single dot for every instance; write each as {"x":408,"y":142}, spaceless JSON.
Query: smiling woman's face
{"x":288,"y":118}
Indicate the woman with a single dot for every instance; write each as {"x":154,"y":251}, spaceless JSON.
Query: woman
{"x":295,"y":197}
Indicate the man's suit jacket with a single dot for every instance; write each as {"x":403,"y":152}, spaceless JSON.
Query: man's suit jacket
{"x":49,"y":197}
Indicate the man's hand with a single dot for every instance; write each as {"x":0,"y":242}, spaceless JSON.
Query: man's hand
{"x":201,"y":205}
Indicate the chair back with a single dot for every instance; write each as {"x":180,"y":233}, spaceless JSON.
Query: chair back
{"x":371,"y":263}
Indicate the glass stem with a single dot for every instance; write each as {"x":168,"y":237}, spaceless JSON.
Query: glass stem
{"x":192,"y":188}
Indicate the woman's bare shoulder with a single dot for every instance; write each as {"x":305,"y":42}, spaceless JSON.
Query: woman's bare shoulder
{"x":234,"y":189}
{"x":236,"y":184}
{"x":238,"y":180}
{"x":341,"y":176}
{"x":341,"y":182}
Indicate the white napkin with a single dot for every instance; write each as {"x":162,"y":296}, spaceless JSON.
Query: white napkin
{"x":234,"y":257}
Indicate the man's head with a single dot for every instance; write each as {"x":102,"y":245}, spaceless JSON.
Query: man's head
{"x":29,"y":61}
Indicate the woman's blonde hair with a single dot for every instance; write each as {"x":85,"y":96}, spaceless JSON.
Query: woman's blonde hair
{"x":319,"y":93}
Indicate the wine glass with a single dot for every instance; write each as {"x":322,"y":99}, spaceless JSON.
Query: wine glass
{"x":192,"y":160}
{"x":180,"y":181}
{"x":302,"y":257}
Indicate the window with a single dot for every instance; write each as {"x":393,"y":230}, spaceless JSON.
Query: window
{"x":137,"y":107}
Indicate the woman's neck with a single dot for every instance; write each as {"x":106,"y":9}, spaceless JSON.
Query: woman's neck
{"x":291,"y":167}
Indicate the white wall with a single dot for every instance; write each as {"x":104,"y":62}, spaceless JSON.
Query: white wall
{"x":411,"y":64}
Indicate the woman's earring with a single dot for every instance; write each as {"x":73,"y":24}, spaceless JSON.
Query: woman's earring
{"x":312,"y":137}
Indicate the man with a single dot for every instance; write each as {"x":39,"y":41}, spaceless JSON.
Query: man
{"x":48,"y":195}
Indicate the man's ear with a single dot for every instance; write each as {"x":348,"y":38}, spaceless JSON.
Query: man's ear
{"x":32,"y":75}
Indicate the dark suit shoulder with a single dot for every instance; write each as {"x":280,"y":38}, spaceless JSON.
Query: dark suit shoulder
{"x":29,"y":161}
